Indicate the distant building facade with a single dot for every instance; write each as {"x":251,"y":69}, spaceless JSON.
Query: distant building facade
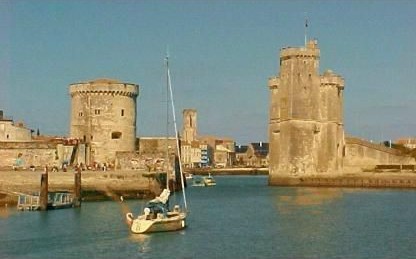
{"x":258,"y":154}
{"x":254,"y":155}
{"x":220,"y":150}
{"x":103,"y":116}
{"x":241,"y":157}
{"x":203,"y":151}
{"x":13,"y":132}
{"x":407,"y":142}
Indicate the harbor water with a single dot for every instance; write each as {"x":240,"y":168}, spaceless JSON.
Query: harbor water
{"x":241,"y":217}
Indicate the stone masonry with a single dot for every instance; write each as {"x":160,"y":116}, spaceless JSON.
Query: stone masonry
{"x":103,"y":116}
{"x":306,"y":131}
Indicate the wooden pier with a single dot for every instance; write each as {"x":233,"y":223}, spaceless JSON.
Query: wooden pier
{"x":45,"y":200}
{"x":31,"y":202}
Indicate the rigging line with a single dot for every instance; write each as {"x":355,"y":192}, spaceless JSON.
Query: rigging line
{"x":176,"y":132}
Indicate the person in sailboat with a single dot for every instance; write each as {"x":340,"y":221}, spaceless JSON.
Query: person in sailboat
{"x":159,"y":205}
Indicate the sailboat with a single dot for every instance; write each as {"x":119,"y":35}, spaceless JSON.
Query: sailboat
{"x":157,"y":216}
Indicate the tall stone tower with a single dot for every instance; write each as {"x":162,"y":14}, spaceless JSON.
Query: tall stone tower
{"x":103,"y":115}
{"x":306,"y":131}
{"x":189,"y":125}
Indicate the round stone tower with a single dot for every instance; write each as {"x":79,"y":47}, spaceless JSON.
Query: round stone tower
{"x":304,"y":116}
{"x":103,"y":116}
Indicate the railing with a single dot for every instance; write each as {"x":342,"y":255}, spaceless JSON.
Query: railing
{"x":55,"y":200}
{"x":396,"y":167}
{"x":28,"y":202}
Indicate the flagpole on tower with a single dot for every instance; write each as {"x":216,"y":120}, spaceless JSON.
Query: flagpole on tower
{"x":306,"y":29}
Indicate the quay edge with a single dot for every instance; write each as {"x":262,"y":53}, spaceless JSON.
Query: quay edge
{"x":228,"y":171}
{"x":96,"y":185}
{"x":376,"y":180}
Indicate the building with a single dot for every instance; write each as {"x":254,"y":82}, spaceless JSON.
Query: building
{"x":407,"y":142}
{"x":203,"y":151}
{"x":241,"y":158}
{"x":220,"y":151}
{"x":103,"y":116}
{"x":190,"y":146}
{"x":13,"y":132}
{"x":258,"y":154}
{"x":306,"y":130}
{"x":190,"y":126}
{"x":254,"y":155}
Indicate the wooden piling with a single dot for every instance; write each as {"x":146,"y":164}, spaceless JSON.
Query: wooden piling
{"x":77,"y":188}
{"x":44,"y":190}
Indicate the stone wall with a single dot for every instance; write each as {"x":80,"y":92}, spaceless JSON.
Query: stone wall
{"x":363,"y":155}
{"x":35,"y":153}
{"x":150,"y":156}
{"x":365,"y":181}
{"x":32,"y":153}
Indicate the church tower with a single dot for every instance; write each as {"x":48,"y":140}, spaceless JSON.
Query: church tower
{"x":189,"y":125}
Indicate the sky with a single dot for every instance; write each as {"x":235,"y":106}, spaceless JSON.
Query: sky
{"x":221,"y":56}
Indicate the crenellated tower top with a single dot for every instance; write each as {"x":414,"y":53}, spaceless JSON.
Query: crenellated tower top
{"x":329,"y":78}
{"x":311,"y":50}
{"x":104,"y":87}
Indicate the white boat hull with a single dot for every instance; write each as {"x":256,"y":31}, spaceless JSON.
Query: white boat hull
{"x":173,"y":222}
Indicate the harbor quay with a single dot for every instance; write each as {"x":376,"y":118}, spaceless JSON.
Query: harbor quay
{"x":228,"y":171}
{"x":378,"y":177}
{"x":362,"y":180}
{"x":95,"y":185}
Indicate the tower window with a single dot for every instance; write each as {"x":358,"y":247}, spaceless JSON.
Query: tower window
{"x":116,"y":135}
{"x":97,"y":111}
{"x":122,"y":112}
{"x":80,"y":114}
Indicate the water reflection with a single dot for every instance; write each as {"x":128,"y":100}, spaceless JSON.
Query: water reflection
{"x":311,"y":216}
{"x":311,"y":197}
{"x":4,"y":212}
{"x":143,"y":242}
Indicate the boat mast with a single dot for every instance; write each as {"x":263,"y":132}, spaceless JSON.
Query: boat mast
{"x":167,"y":127}
{"x":176,"y":131}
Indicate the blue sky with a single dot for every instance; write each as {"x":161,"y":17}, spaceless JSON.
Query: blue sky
{"x":222,"y":54}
